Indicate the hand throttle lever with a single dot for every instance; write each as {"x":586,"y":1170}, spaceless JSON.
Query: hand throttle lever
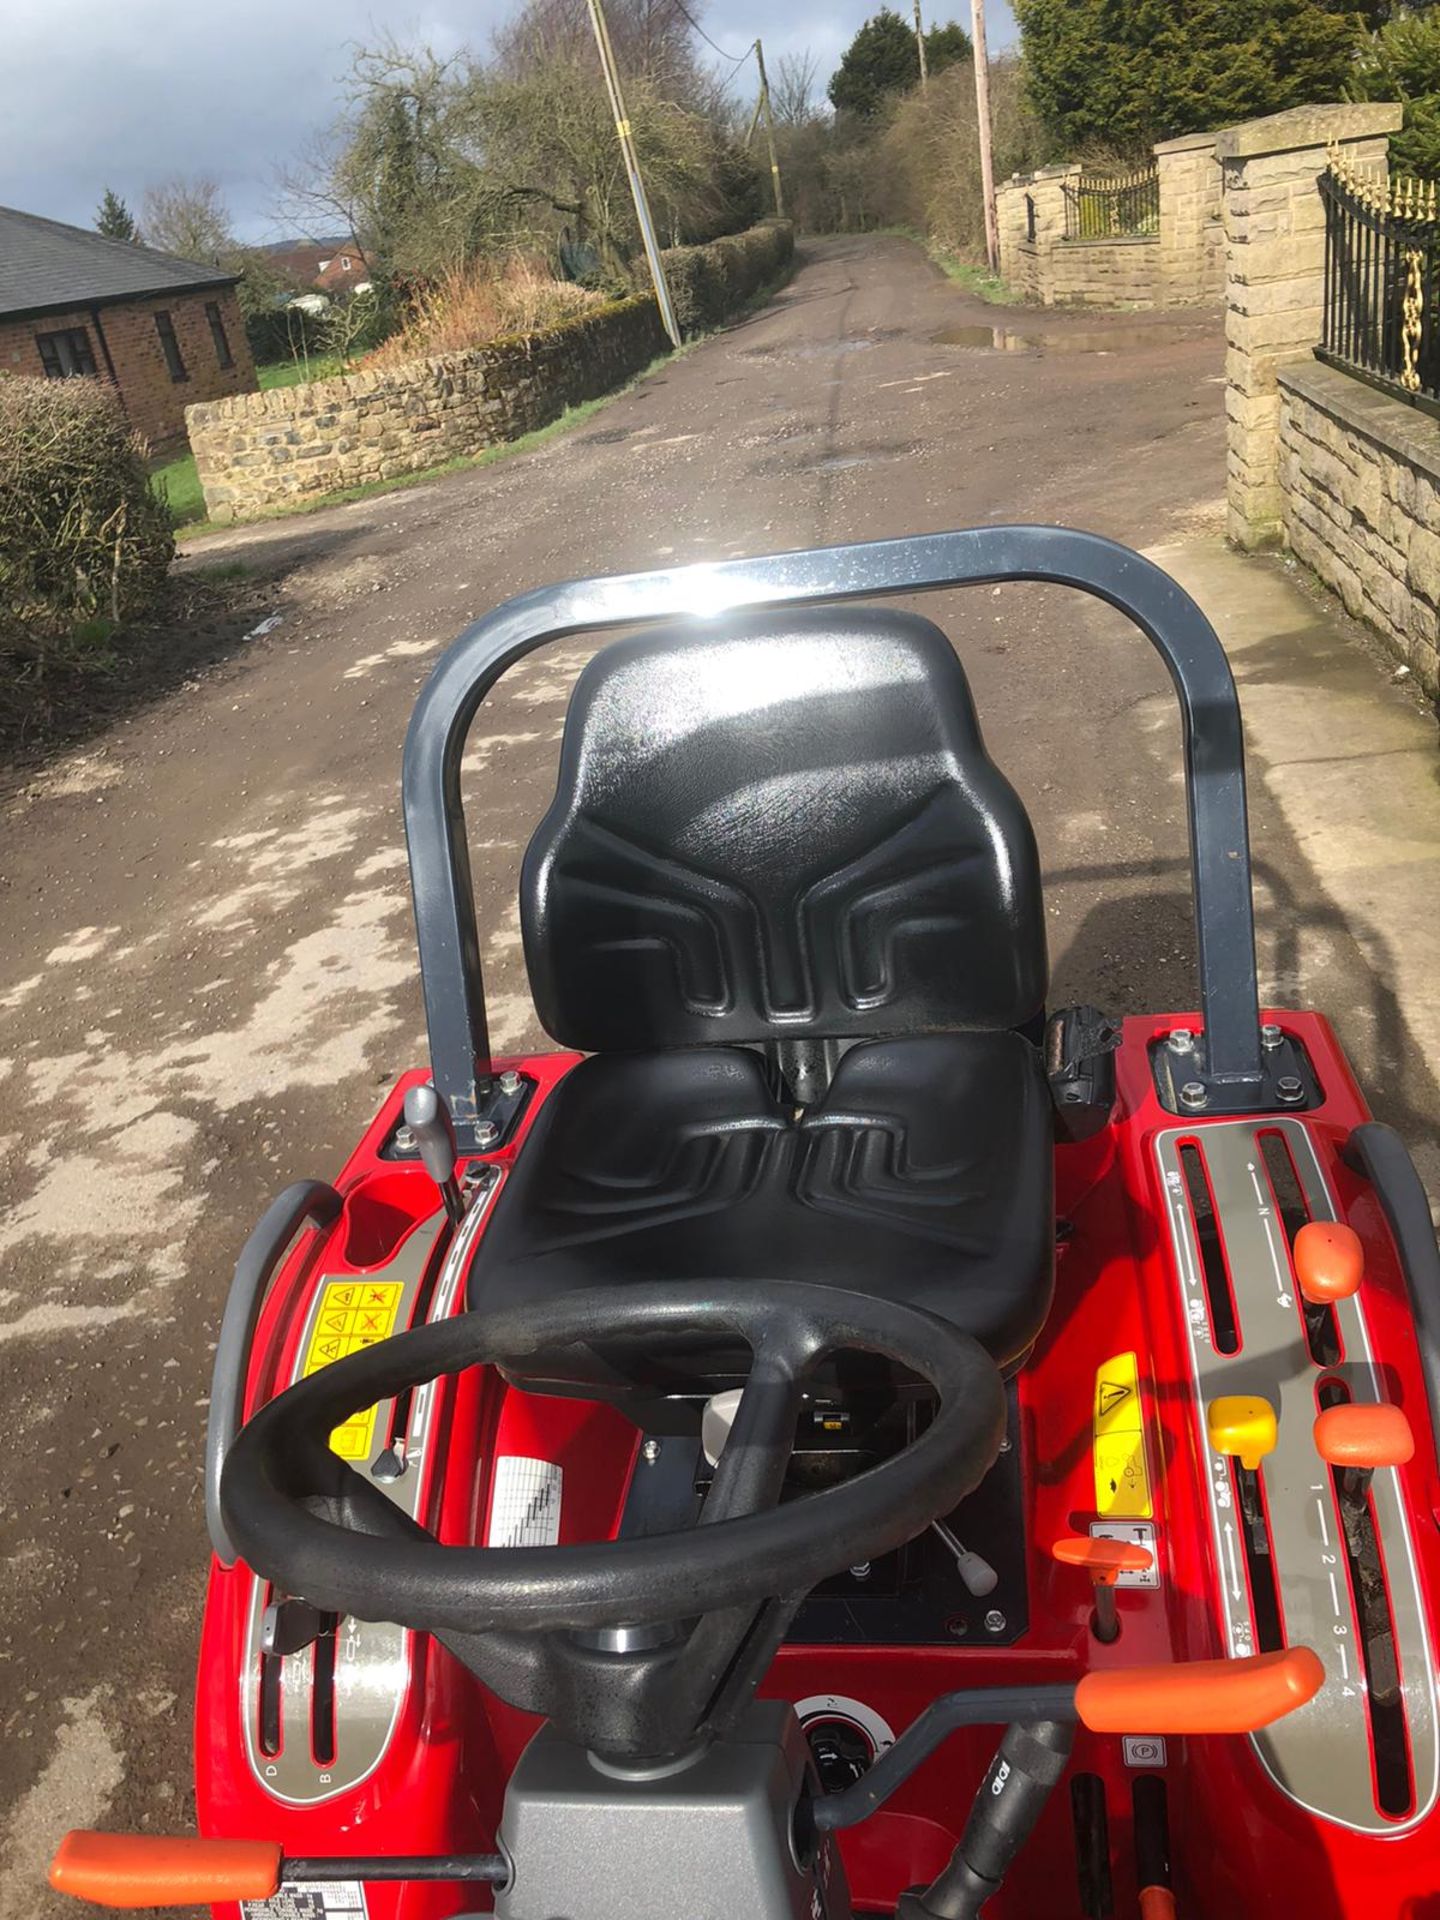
{"x":428,"y":1119}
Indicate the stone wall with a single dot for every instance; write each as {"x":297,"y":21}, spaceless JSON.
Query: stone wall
{"x":1024,"y":262}
{"x":263,"y":450}
{"x":1103,"y":273}
{"x":1182,"y":266}
{"x":268,"y":450}
{"x":1275,"y":280}
{"x":1360,"y":489}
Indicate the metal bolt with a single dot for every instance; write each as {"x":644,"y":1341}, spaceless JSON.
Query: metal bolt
{"x":1271,"y":1036}
{"x":1291,"y":1089}
{"x":486,"y":1134}
{"x":1193,"y":1094}
{"x":1181,"y":1040}
{"x":1005,"y":1444}
{"x":862,"y":1572}
{"x":650,"y":1452}
{"x":404,"y":1140}
{"x":994,"y":1621}
{"x":957,"y":1626}
{"x":509,"y":1081}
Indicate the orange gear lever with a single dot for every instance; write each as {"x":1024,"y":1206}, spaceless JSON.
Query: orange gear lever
{"x":1104,"y":1560}
{"x":161,"y":1870}
{"x":1329,"y":1261}
{"x":1201,"y":1696}
{"x":1356,"y":1438}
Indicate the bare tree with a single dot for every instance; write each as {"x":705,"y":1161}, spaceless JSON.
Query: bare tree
{"x":793,"y":96}
{"x":187,"y":215}
{"x":438,"y":161}
{"x":654,"y":43}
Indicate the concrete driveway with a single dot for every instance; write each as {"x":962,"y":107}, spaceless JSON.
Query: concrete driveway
{"x":207,"y":975}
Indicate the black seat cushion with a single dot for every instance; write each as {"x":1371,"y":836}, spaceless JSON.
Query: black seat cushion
{"x":783,"y":826}
{"x":923,"y":1175}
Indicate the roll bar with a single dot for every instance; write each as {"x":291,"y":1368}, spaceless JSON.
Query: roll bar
{"x":1164,"y":612}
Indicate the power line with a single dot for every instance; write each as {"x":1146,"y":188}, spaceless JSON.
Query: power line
{"x":735,"y":59}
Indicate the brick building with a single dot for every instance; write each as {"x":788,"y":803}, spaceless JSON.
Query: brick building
{"x":326,"y":266}
{"x":163,"y":331}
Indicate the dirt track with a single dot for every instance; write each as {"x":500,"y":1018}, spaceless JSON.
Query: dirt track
{"x":207,"y":976}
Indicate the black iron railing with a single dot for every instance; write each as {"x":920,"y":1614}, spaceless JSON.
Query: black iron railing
{"x":1122,"y":206}
{"x":1382,"y":253}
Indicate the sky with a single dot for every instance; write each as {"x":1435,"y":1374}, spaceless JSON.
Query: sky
{"x":93,"y":94}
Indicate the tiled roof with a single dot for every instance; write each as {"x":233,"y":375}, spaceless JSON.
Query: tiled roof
{"x":46,"y":266}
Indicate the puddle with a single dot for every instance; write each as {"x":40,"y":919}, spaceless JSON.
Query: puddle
{"x":1012,"y":340}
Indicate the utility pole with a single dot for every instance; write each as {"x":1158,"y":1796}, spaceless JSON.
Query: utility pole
{"x":632,"y":169}
{"x":764,"y":108}
{"x":982,"y":120}
{"x":920,"y":43}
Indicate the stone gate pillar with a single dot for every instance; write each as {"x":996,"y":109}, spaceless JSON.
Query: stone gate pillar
{"x":1274,"y":279}
{"x":1192,"y":252}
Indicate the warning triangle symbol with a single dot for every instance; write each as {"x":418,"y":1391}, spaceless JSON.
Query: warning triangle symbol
{"x":1111,"y":1395}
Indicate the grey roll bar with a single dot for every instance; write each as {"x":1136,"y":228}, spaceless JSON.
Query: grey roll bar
{"x":312,"y":1201}
{"x":1167,"y":616}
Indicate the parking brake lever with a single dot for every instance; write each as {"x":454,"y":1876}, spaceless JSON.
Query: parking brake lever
{"x":428,"y":1119}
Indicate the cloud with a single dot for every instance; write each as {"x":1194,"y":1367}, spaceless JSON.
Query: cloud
{"x":93,"y":95}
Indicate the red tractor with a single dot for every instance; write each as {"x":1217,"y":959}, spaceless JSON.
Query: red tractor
{"x":843,"y":1436}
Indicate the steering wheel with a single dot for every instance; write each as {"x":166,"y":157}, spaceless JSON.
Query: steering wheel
{"x":304,"y":1519}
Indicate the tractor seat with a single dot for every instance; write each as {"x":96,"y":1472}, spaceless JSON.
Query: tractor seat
{"x":922,"y":1175}
{"x":791,"y":908}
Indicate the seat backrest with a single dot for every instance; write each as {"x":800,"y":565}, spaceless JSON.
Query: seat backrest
{"x":780,"y":826}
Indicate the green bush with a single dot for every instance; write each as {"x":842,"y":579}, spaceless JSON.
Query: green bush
{"x":83,"y":539}
{"x":709,"y":283}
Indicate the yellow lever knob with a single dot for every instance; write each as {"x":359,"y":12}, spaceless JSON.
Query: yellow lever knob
{"x":1243,"y":1424}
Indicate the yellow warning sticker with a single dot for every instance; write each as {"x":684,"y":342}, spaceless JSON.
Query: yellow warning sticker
{"x":353,"y":1314}
{"x":1122,"y":1477}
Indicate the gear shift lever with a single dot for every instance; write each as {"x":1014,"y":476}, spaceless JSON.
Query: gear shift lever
{"x":428,"y":1118}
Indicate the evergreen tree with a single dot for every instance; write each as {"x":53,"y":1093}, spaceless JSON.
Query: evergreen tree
{"x":883,"y":59}
{"x":1402,"y":63}
{"x":1128,"y":72}
{"x":114,"y":219}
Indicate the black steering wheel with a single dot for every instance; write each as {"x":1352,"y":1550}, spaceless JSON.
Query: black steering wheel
{"x":304,"y":1519}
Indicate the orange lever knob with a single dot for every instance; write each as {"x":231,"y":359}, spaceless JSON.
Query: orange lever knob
{"x":1329,"y":1261}
{"x":1103,"y":1560}
{"x":1200,"y":1696}
{"x":1364,"y":1436}
{"x":160,"y":1870}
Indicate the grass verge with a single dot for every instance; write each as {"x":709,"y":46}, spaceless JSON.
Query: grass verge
{"x":298,"y":373}
{"x":178,"y":485}
{"x":973,"y":278}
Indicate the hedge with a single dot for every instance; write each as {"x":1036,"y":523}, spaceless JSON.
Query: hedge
{"x":708,"y":283}
{"x":82,"y":536}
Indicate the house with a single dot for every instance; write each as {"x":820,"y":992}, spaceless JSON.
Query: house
{"x":323,"y":266}
{"x":163,"y":331}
